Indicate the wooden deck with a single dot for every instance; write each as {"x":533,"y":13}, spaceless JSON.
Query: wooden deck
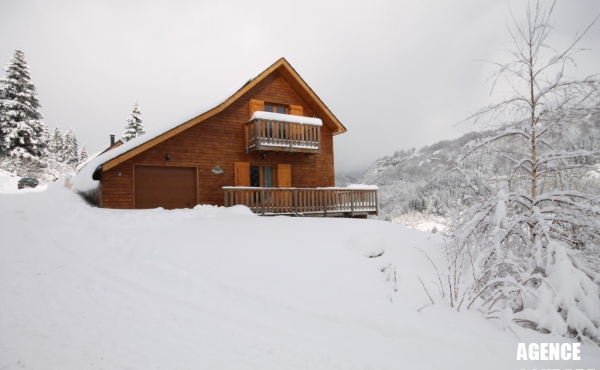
{"x":325,"y":202}
{"x":267,"y":135}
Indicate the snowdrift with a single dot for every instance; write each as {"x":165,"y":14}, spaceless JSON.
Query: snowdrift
{"x":7,"y":181}
{"x":220,"y":288}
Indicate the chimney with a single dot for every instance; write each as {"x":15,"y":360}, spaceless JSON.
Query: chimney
{"x":112,"y":139}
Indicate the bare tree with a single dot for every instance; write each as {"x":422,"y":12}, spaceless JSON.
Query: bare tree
{"x":529,"y":253}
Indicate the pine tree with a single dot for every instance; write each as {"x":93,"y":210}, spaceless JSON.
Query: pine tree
{"x":56,"y":144}
{"x":45,"y":135}
{"x":134,"y":126}
{"x":21,"y":128}
{"x":83,"y":155}
{"x":70,"y":150}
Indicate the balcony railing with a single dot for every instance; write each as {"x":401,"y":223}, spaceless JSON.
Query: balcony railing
{"x":304,"y":201}
{"x":270,"y":135}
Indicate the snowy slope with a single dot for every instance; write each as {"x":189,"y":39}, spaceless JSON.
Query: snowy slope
{"x":7,"y":181}
{"x":215,"y":288}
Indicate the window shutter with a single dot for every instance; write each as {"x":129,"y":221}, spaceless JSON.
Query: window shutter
{"x":295,"y":110}
{"x":284,"y":176}
{"x":256,"y":105}
{"x":241,"y":172}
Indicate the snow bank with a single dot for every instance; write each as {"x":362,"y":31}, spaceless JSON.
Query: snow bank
{"x":220,"y":288}
{"x":9,"y":184}
{"x":8,"y":181}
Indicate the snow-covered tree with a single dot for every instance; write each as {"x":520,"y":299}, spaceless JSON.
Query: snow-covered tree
{"x":21,"y":127}
{"x":83,"y":154}
{"x":57,"y":162}
{"x":56,"y":144}
{"x":529,"y":253}
{"x":134,"y":126}
{"x":45,"y":134}
{"x":70,"y":153}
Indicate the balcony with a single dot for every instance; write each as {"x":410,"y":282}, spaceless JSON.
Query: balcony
{"x":275,"y":132}
{"x":326,"y":202}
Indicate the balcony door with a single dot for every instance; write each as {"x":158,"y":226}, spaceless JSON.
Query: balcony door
{"x":261,"y":176}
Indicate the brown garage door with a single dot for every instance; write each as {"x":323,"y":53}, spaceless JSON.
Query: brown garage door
{"x":167,"y":187}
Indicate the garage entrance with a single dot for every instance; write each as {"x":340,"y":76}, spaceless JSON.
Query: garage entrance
{"x":165,"y":186}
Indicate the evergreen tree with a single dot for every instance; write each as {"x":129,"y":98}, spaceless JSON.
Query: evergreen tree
{"x":45,"y":135}
{"x":56,"y":144}
{"x":134,"y":126}
{"x":70,"y":149}
{"x":21,"y":127}
{"x":83,"y":155}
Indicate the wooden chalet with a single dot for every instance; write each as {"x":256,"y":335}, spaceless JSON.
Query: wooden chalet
{"x":268,"y":146}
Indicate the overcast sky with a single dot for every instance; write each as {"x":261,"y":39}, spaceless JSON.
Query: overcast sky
{"x":398,"y":74}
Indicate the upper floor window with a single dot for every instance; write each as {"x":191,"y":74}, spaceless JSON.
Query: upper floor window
{"x":256,"y":105}
{"x":275,"y":108}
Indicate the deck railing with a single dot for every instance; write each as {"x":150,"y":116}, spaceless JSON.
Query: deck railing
{"x":268,"y":135}
{"x":304,"y":201}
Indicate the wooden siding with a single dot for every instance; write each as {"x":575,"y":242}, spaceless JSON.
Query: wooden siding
{"x":220,"y":140}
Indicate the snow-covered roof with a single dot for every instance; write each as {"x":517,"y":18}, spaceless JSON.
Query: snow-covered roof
{"x":83,"y":180}
{"x":270,"y":116}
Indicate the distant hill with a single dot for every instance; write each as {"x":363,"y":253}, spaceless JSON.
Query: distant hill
{"x":418,"y":190}
{"x":347,"y":178}
{"x":404,"y":178}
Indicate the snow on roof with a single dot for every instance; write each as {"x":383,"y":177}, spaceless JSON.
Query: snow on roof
{"x":270,"y":116}
{"x":83,"y":180}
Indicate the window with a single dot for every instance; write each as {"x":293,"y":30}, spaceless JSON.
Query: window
{"x":280,"y":129}
{"x":268,"y":176}
{"x":260,"y":105}
{"x":275,"y":108}
{"x":261,"y":176}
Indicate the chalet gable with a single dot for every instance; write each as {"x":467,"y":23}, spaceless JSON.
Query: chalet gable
{"x":281,"y":67}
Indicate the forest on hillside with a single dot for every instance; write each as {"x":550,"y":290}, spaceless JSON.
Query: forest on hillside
{"x":421,"y":188}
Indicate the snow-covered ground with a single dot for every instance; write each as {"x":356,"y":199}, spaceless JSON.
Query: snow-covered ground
{"x":215,"y":288}
{"x":7,"y":181}
{"x":423,"y":222}
{"x":9,"y":184}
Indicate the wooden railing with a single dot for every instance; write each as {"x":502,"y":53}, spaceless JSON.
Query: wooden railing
{"x":304,"y":201}
{"x":267,"y":135}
